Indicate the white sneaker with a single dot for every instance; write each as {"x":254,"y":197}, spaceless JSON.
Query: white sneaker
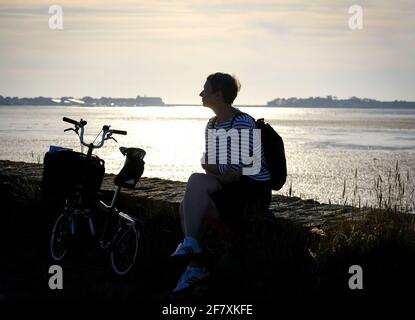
{"x":191,"y":277}
{"x":188,"y":248}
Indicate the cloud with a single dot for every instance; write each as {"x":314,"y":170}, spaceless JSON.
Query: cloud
{"x":271,"y":39}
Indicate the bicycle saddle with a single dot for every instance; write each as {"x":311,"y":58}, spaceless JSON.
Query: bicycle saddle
{"x":133,"y":152}
{"x":133,"y":167}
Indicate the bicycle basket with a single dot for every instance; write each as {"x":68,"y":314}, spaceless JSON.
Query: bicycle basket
{"x":65,"y":171}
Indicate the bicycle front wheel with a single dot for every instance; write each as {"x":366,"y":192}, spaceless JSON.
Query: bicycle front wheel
{"x":59,"y":239}
{"x":124,"y":251}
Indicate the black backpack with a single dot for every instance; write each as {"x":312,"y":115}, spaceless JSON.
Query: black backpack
{"x":273,"y":150}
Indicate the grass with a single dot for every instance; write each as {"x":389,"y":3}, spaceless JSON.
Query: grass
{"x":36,"y":158}
{"x":383,"y":244}
{"x":278,"y":258}
{"x":392,"y":191}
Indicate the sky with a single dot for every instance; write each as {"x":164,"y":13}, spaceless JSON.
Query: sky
{"x":124,"y":48}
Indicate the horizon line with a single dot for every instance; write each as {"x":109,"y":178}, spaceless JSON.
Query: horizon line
{"x":195,"y":104}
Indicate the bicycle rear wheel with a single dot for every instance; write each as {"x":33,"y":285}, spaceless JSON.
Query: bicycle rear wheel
{"x":59,"y":238}
{"x":124,"y":251}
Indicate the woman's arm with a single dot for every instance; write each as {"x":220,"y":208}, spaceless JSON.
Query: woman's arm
{"x":228,"y":176}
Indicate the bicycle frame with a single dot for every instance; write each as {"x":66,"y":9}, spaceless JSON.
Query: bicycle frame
{"x":102,"y":205}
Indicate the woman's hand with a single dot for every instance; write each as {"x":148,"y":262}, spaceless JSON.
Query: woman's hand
{"x":231,"y":175}
{"x":211,"y":168}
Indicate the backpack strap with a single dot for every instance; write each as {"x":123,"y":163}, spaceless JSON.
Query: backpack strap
{"x":237,"y":113}
{"x":212,"y":122}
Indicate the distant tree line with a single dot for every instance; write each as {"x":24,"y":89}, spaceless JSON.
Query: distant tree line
{"x":86,"y":101}
{"x":333,"y":102}
{"x":25,"y":101}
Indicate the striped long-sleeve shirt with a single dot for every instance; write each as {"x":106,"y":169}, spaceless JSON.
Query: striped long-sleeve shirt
{"x":248,"y":156}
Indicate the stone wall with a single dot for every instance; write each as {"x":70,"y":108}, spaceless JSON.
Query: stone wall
{"x":160,"y":193}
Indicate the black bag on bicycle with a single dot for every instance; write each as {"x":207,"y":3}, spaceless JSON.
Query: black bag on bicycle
{"x":133,"y":168}
{"x":67,"y":171}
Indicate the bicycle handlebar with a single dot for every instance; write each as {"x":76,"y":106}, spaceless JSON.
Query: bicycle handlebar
{"x":74,"y":122}
{"x":119,"y":132}
{"x":106,"y":132}
{"x":70,"y":121}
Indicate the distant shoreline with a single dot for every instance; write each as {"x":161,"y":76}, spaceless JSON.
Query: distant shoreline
{"x":334,"y":102}
{"x":312,"y":102}
{"x":237,"y":106}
